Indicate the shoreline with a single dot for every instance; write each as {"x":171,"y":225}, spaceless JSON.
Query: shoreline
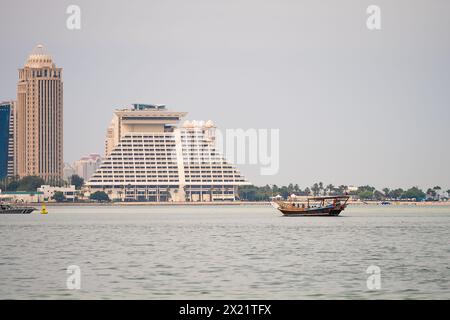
{"x":224,"y":203}
{"x":402,"y":203}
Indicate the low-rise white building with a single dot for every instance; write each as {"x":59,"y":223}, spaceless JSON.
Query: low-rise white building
{"x":48,"y":192}
{"x":351,"y":189}
{"x":297,"y":198}
{"x":21,"y":197}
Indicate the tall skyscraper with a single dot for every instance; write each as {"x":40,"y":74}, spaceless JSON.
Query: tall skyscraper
{"x":7,"y":141}
{"x":40,"y":118}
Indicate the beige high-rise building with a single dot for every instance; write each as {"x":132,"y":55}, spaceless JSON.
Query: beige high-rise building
{"x":40,"y":118}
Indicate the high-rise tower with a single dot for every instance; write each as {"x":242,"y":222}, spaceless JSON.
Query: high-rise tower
{"x":7,"y":139}
{"x":40,"y":118}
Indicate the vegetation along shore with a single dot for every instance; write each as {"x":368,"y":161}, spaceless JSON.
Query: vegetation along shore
{"x":254,"y":194}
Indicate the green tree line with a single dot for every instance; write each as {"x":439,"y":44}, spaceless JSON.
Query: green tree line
{"x":31,"y":183}
{"x":265,"y":193}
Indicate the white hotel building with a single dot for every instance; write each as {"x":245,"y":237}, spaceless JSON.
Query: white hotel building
{"x":148,"y":157}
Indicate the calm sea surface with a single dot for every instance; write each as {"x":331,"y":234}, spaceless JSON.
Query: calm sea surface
{"x":225,"y":252}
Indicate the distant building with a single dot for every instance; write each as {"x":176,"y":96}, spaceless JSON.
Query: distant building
{"x":48,"y":192}
{"x":86,"y":166}
{"x":40,"y":118}
{"x":43,"y":193}
{"x":68,"y":171}
{"x":351,"y":189}
{"x":149,"y":158}
{"x":21,"y":197}
{"x":294,"y":197}
{"x":7,"y":140}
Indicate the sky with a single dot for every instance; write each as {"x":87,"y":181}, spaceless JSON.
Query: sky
{"x":353,"y":106}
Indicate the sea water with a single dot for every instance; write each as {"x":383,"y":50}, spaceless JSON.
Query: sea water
{"x":225,"y":252}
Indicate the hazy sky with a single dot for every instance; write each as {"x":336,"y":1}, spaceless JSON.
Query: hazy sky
{"x":353,"y":106}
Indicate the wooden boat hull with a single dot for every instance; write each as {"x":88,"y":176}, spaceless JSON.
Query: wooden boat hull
{"x":311,"y":213}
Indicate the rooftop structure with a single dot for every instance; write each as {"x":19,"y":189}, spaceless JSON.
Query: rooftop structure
{"x":39,"y":58}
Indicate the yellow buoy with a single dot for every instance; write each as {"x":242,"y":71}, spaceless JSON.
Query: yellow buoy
{"x":44,"y":209}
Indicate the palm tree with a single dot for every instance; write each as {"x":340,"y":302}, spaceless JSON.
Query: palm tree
{"x":431,"y":193}
{"x":378,"y":195}
{"x":342,"y":189}
{"x":275,"y":189}
{"x":330,"y":188}
{"x":307,"y":191}
{"x":4,"y":183}
{"x":437,"y":189}
{"x":315,"y":189}
{"x":291,"y":188}
{"x":386,"y":192}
